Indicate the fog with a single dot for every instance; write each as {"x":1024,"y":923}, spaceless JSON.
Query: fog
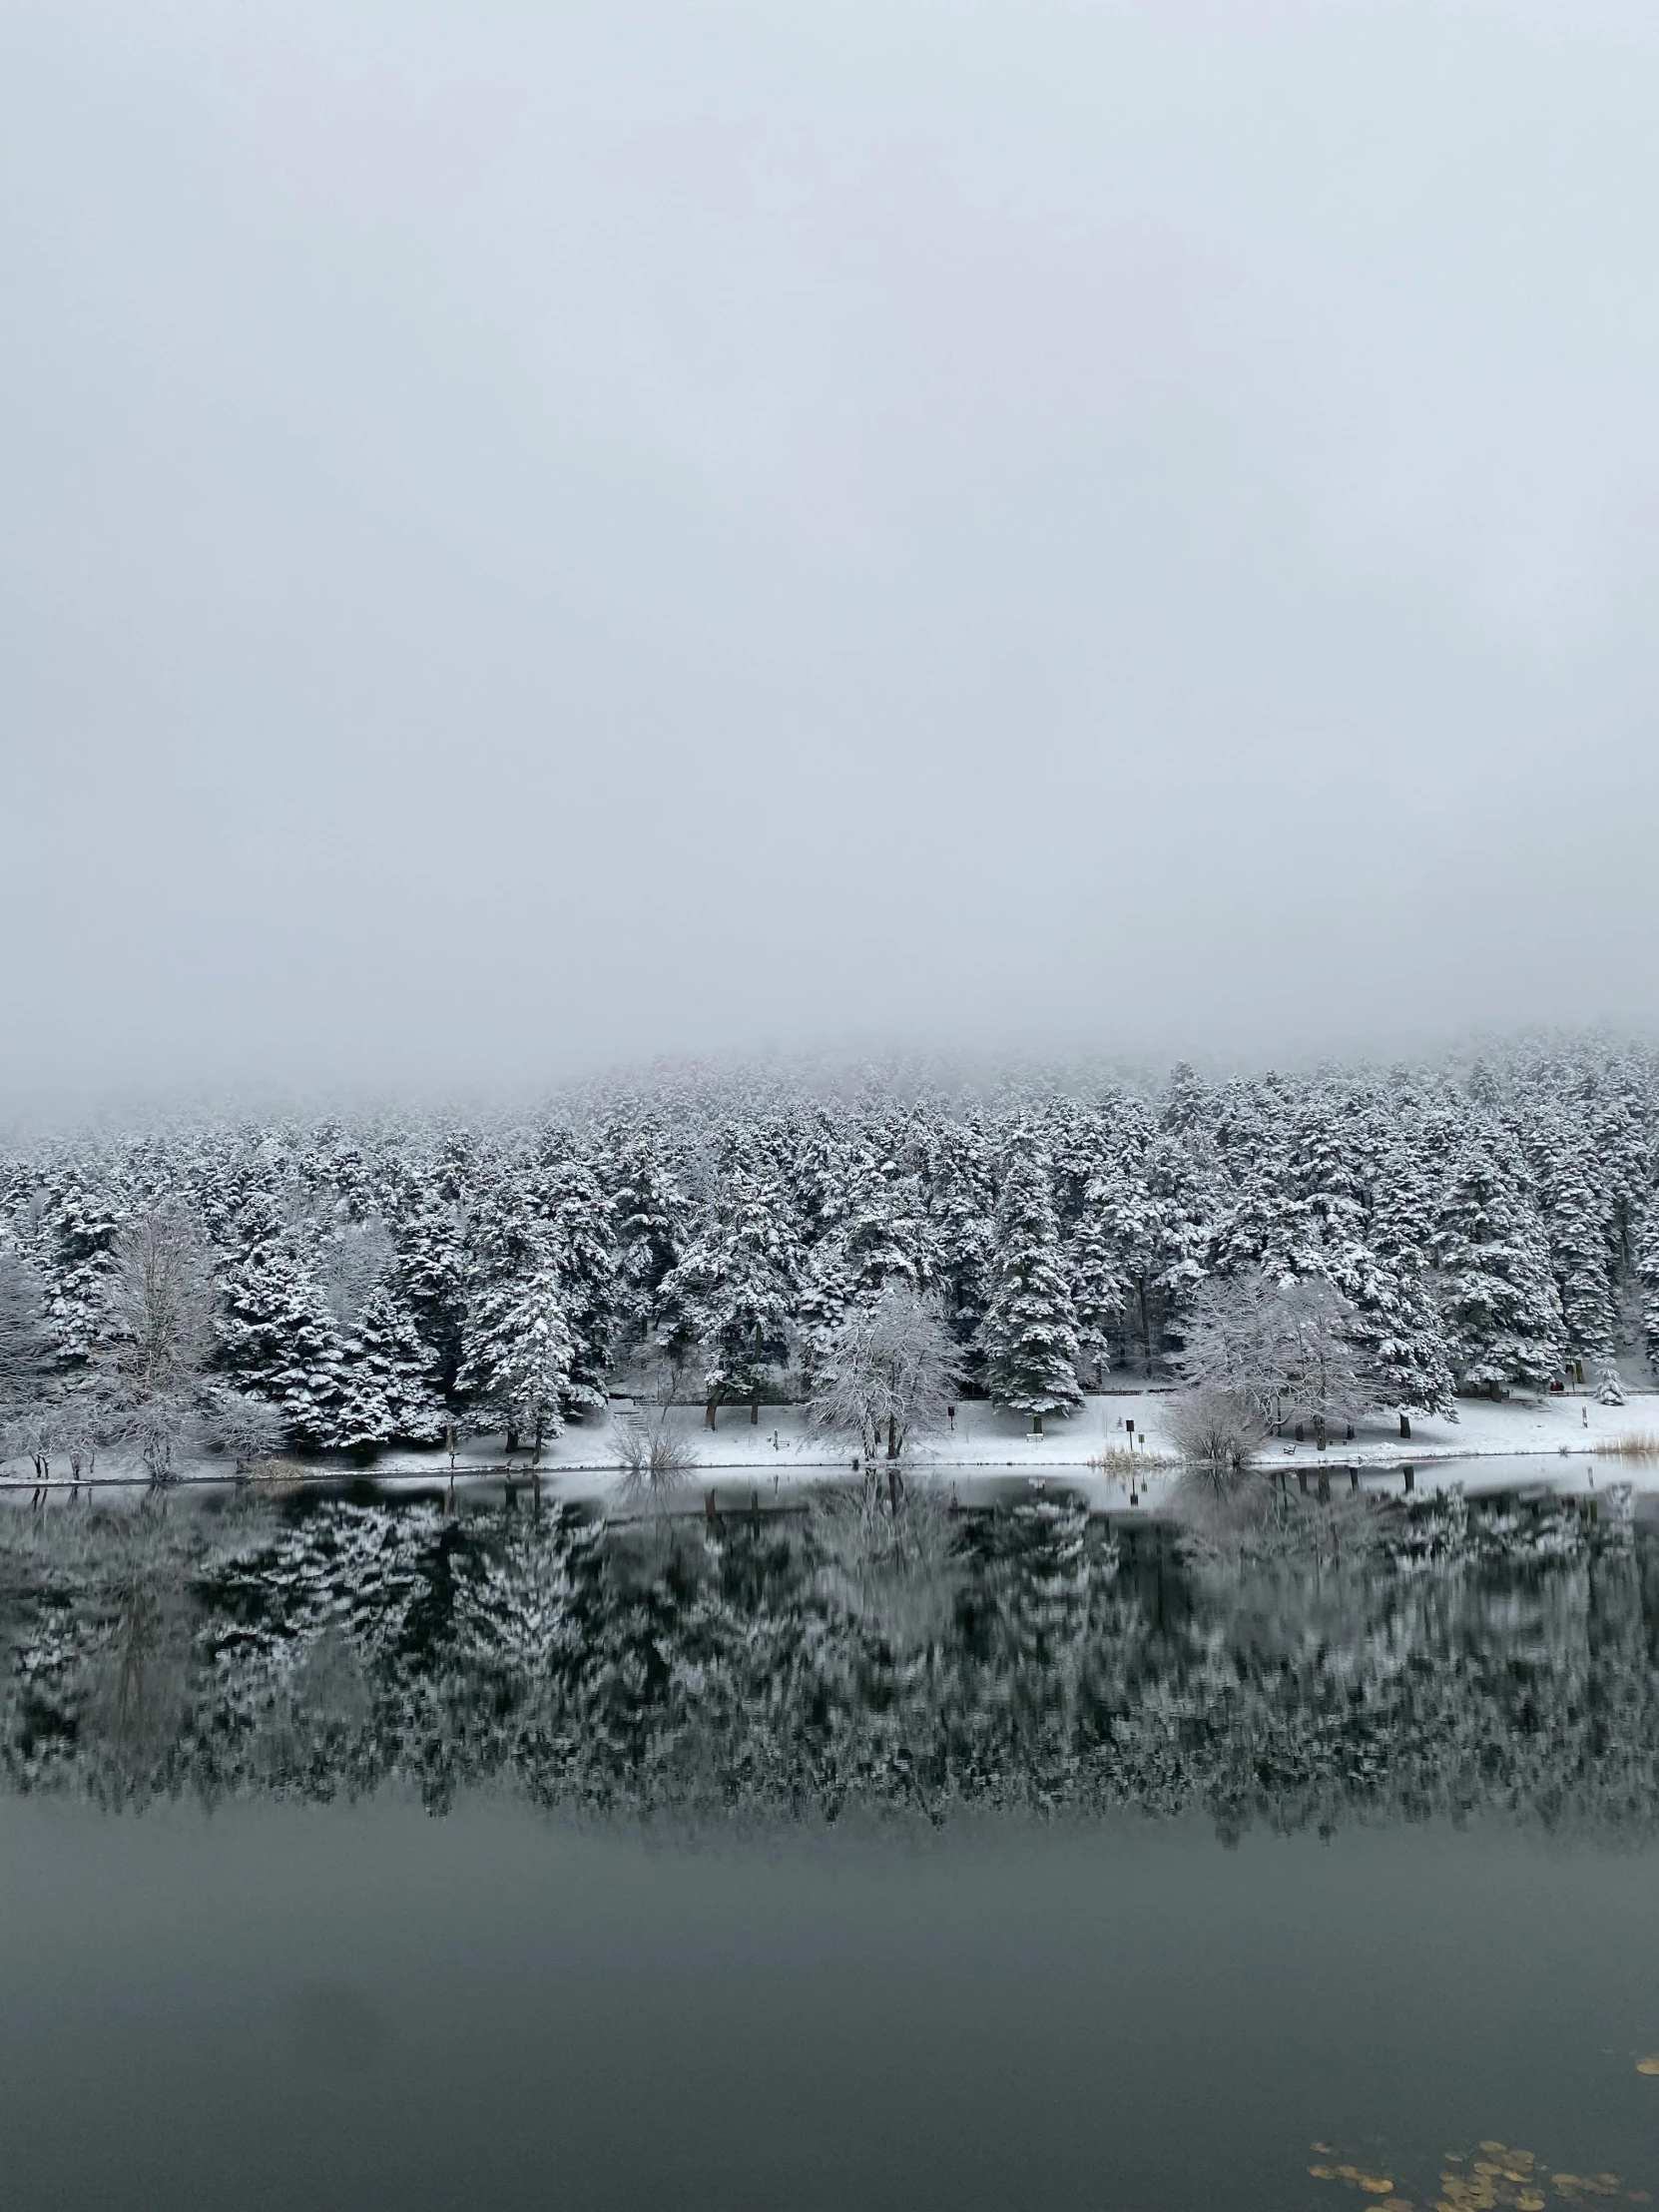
{"x":541,"y":535}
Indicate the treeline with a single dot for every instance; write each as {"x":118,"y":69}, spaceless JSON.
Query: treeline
{"x":360,"y":1282}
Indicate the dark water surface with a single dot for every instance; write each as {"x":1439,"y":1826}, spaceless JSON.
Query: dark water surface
{"x":374,"y":1858}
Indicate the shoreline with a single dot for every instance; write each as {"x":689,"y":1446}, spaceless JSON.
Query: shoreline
{"x":1117,"y":1446}
{"x":1157,"y":1470}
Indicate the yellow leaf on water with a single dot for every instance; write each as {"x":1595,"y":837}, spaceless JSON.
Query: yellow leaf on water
{"x":1488,"y":2144}
{"x":1530,"y":2204}
{"x":1322,"y":2173}
{"x":1324,"y":2149}
{"x":1648,"y":2065}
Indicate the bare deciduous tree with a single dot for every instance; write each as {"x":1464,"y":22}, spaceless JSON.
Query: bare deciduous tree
{"x":1215,"y":1430}
{"x":887,"y":1374}
{"x":1280,"y":1347}
{"x":158,"y":1333}
{"x":160,"y":1304}
{"x":88,"y":1423}
{"x":26,"y":1349}
{"x":246,"y":1429}
{"x":656,"y":1456}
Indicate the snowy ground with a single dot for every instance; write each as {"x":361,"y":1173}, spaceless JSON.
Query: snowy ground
{"x":985,"y":1439}
{"x":777,"y":1457}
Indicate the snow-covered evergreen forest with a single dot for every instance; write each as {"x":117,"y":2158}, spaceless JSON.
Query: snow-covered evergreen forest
{"x":346,"y":1283}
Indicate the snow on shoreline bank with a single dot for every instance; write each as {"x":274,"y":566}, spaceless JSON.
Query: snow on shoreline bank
{"x":1092,"y":1450}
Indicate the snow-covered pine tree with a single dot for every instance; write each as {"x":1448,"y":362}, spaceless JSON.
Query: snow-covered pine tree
{"x":1094,"y":1278}
{"x":386,"y":1376}
{"x":1123,"y":1225}
{"x":734,"y":1292}
{"x":651,"y":1212}
{"x":1179,"y":1200}
{"x":1579,"y":1217}
{"x":1257,"y":1196}
{"x":1398,"y":1333}
{"x":26,"y":1348}
{"x":519,"y":1352}
{"x":1384,"y":1273}
{"x":876,"y":1238}
{"x":278,"y":1340}
{"x":1502,"y":1314}
{"x":883,"y":1230}
{"x":1030,"y":1337}
{"x":432,"y":1272}
{"x":1622,"y":1112}
{"x":962,"y":1195}
{"x":1647,"y":1280}
{"x":577,"y":1230}
{"x":77,"y":1220}
{"x":1609,"y":1381}
{"x":823,"y":1299}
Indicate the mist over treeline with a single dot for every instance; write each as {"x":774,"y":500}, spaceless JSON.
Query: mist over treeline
{"x":358,"y":1278}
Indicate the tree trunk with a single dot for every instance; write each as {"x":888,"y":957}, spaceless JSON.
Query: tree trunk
{"x":1036,"y":1424}
{"x":893,"y":1436}
{"x":754,"y":1412}
{"x":1405,"y":1427}
{"x":709,"y":1413}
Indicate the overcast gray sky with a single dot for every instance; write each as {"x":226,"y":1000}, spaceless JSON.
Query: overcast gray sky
{"x":534,"y":534}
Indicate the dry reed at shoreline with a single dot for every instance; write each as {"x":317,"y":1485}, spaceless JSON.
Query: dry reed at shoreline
{"x":1116,"y":1461}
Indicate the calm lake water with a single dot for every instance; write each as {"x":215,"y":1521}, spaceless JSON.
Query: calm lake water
{"x":370,"y":1856}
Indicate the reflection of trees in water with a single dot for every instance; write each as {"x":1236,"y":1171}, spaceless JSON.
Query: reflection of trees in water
{"x":100,"y":1622}
{"x":788,"y":1667}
